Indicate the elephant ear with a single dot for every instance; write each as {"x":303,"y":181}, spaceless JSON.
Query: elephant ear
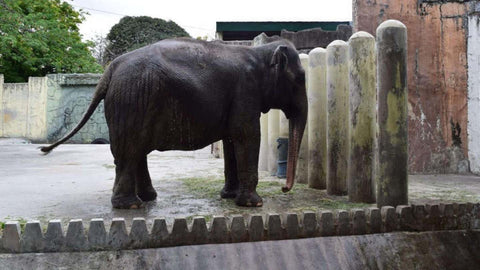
{"x":279,"y":58}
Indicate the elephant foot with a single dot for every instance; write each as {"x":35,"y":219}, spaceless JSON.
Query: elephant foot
{"x":249,"y":199}
{"x":228,"y":194}
{"x":148,"y":194}
{"x":126,"y":202}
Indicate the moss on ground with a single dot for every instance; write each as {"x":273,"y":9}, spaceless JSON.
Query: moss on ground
{"x":300,"y":198}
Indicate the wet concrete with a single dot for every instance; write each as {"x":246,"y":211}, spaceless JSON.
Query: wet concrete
{"x":75,"y":181}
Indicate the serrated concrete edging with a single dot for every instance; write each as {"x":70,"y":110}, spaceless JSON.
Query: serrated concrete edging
{"x":235,"y":229}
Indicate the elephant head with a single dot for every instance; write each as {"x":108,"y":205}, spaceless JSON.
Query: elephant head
{"x":289,"y":94}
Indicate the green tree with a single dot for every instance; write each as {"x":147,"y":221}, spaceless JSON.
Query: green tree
{"x":134,"y":32}
{"x":38,"y":37}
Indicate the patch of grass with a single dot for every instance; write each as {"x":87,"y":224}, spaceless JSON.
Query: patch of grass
{"x":210,"y":187}
{"x":300,"y":198}
{"x":22,"y":222}
{"x":206,"y":187}
{"x":274,"y":188}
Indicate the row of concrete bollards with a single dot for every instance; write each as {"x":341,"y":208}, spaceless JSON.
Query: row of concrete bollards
{"x":99,"y":235}
{"x":356,"y":137}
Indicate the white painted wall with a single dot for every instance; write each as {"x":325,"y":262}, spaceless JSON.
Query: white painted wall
{"x":473,"y":52}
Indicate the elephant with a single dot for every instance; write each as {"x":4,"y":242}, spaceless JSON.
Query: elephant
{"x":184,"y":94}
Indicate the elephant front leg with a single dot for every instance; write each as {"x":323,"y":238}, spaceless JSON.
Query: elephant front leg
{"x":230,"y":190}
{"x":246,"y":154}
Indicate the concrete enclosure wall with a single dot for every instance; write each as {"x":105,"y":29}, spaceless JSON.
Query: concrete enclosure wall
{"x":22,"y":109}
{"x":68,"y":98}
{"x":235,"y":229}
{"x":309,"y":39}
{"x":474,"y":91}
{"x":47,"y":108}
{"x":437,"y":77}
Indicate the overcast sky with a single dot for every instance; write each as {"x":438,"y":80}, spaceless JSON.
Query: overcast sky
{"x":198,"y":17}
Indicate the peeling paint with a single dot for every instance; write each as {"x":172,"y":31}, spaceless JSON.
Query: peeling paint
{"x":437,"y":74}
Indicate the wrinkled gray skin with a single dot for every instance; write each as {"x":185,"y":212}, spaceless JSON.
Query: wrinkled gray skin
{"x":184,"y":94}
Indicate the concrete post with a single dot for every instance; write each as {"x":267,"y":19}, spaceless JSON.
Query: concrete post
{"x":282,"y":146}
{"x":219,"y":230}
{"x":238,"y":230}
{"x":159,"y":234}
{"x":54,"y":239}
{"x":338,"y":118}
{"x":117,"y":238}
{"x":180,"y":234}
{"x":75,"y":239}
{"x":263,"y":155}
{"x":217,"y":149}
{"x":97,"y":235}
{"x":283,"y":126}
{"x":199,"y":231}
{"x":273,"y":131}
{"x":317,"y":119}
{"x":256,"y":229}
{"x":139,"y":235}
{"x":302,"y":164}
{"x":32,"y":238}
{"x":1,"y":105}
{"x":310,"y":224}
{"x":362,"y":81}
{"x":11,"y":236}
{"x":392,"y":176}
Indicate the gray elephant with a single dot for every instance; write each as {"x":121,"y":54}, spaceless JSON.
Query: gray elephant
{"x":184,"y":94}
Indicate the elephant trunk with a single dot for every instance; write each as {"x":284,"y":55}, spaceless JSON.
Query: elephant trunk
{"x":296,"y":129}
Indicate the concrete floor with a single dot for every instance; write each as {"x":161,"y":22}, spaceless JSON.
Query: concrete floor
{"x":75,"y":181}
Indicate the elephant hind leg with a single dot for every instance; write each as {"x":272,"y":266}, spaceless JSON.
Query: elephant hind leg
{"x":143,"y":182}
{"x":124,"y":195}
{"x":130,"y":163}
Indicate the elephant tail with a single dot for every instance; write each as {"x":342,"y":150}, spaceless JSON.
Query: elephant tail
{"x":98,"y":96}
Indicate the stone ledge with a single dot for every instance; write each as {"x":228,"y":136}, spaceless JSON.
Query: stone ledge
{"x":75,"y":79}
{"x":235,"y":229}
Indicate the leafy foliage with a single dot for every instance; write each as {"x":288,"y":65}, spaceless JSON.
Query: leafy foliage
{"x":38,"y":37}
{"x":134,"y":32}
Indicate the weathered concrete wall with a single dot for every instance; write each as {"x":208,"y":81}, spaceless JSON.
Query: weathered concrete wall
{"x":474,"y":91}
{"x":2,"y":117}
{"x":47,"y":108}
{"x":22,"y":109}
{"x":68,"y":98}
{"x":235,"y":228}
{"x":428,"y":250}
{"x":306,"y":40}
{"x":437,"y":77}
